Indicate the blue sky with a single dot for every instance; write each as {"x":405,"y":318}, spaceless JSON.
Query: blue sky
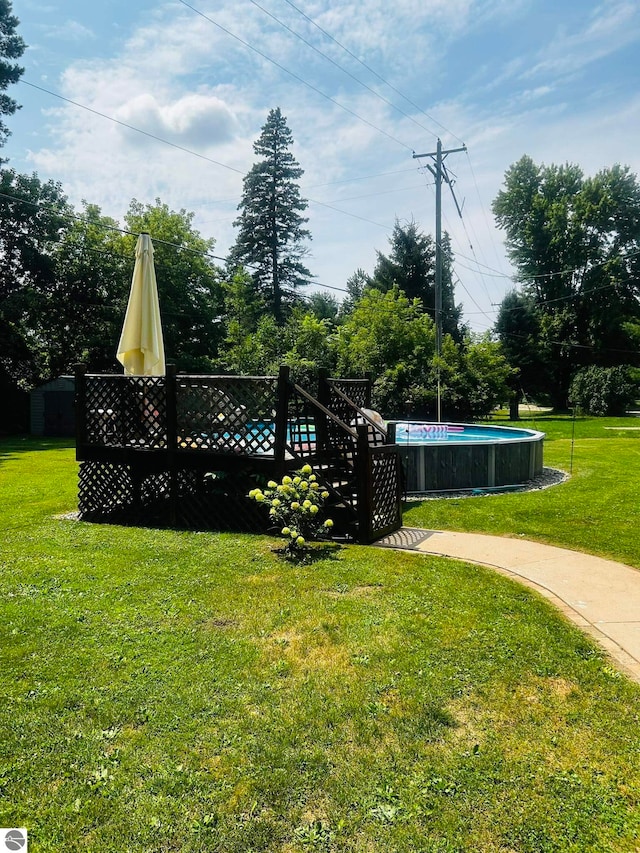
{"x":556,"y":79}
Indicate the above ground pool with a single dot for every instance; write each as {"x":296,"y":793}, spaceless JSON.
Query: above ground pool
{"x":454,"y":457}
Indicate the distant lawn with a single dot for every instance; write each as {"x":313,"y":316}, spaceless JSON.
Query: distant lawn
{"x":597,"y":510}
{"x":172,"y":691}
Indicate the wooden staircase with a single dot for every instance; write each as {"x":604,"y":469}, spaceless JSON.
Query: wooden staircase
{"x":184,"y":451}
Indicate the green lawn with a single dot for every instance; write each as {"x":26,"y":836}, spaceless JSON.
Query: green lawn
{"x":173,"y":691}
{"x":596,"y":510}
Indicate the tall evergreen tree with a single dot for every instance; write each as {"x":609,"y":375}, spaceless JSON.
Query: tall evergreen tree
{"x":271,"y":235}
{"x":11,"y":47}
{"x":411,"y":266}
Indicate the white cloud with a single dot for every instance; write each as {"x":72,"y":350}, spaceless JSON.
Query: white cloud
{"x":69,"y":31}
{"x":197,"y":120}
{"x":180,"y":78}
{"x":611,"y":27}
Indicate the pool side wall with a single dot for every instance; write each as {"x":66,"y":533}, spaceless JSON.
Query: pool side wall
{"x":447,"y":466}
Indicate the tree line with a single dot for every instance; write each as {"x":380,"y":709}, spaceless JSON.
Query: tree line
{"x":65,"y":276}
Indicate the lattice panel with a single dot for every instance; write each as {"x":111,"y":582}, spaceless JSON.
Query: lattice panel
{"x":104,"y":488}
{"x":126,"y":411}
{"x":148,"y":416}
{"x":218,"y":501}
{"x":112,"y":492}
{"x":301,"y":427}
{"x":357,"y":390}
{"x":385,"y":512}
{"x":226,"y":414}
{"x":358,"y":394}
{"x":103,"y":405}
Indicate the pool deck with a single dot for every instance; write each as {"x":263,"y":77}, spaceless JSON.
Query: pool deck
{"x":600,"y":596}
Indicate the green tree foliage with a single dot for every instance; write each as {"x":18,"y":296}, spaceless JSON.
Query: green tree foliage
{"x":603,"y":390}
{"x":11,"y":47}
{"x":189,"y":284}
{"x":411,"y":266}
{"x":310,"y":347}
{"x":575,"y":242}
{"x":475,"y":377}
{"x":390,"y":337}
{"x":271,"y":233}
{"x":305,"y":343}
{"x":519,"y":328}
{"x":33,"y":218}
{"x":65,"y":280}
{"x":356,"y":285}
{"x":324,"y":306}
{"x":83,"y":311}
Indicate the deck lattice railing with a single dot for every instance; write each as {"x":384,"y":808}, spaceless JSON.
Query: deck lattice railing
{"x":182,"y":449}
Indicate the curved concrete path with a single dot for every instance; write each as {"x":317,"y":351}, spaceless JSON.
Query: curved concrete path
{"x":601,"y":596}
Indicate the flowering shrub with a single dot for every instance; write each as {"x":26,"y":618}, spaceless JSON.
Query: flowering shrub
{"x":295,"y":506}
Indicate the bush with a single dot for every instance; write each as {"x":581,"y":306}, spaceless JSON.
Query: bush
{"x":603,"y":390}
{"x":295,"y":505}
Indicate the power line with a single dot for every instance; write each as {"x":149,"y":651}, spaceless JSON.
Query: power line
{"x":567,"y":271}
{"x":294,"y":75}
{"x":75,"y":216}
{"x":340,"y":67}
{"x":354,"y":215}
{"x":187,"y":150}
{"x":568,"y":345}
{"x":130,"y":127}
{"x":234,"y":200}
{"x":375,"y":73}
{"x":344,"y":212}
{"x":462,"y":284}
{"x":482,"y":207}
{"x":156,"y":240}
{"x":361,"y":178}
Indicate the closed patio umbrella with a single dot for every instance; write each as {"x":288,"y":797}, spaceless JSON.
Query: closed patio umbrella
{"x":141,"y":347}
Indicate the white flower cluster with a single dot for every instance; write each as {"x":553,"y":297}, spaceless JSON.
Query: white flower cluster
{"x":296,"y":504}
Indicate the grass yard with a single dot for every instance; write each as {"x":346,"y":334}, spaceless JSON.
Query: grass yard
{"x":173,"y":691}
{"x":596,"y":510}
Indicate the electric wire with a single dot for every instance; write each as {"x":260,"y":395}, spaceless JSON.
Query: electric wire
{"x":340,"y":67}
{"x":189,"y":151}
{"x":464,"y":287}
{"x":339,"y":200}
{"x":482,"y":207}
{"x":295,"y":76}
{"x":569,"y":345}
{"x":77,"y":217}
{"x":470,"y":242}
{"x":156,"y":240}
{"x":375,"y":73}
{"x":131,"y":127}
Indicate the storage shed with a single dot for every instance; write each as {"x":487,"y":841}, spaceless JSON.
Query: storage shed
{"x":52,"y":408}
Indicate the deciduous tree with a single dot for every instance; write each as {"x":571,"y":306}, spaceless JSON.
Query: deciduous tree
{"x":33,"y":217}
{"x":575,"y":242}
{"x":189,"y":284}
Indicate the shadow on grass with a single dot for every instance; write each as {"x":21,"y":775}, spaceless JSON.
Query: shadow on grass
{"x":326,"y":551}
{"x":12,"y":445}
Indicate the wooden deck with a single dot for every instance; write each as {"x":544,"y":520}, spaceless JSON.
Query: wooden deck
{"x":184,"y":450}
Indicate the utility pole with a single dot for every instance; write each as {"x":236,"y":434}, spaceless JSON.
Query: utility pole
{"x":440,"y":174}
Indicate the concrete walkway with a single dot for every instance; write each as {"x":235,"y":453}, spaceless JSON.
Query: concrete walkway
{"x":602,"y":597}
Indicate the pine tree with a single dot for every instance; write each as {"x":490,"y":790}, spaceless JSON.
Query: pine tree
{"x":411,"y":266}
{"x":271,"y":231}
{"x":11,"y":47}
